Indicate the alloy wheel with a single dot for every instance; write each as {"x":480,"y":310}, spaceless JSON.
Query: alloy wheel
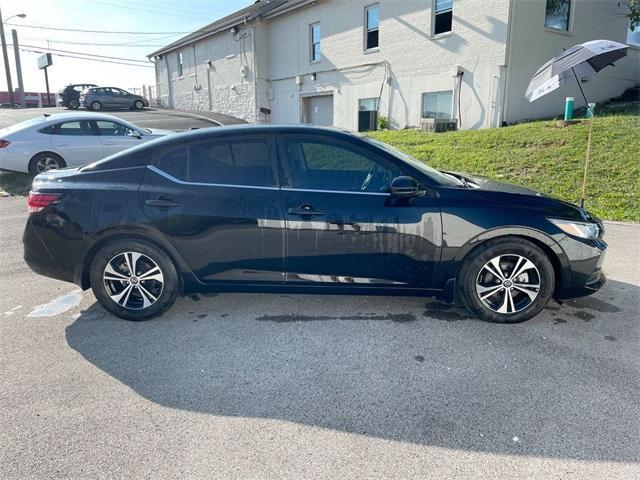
{"x":508,"y":284}
{"x":133,"y":280}
{"x":44,"y":164}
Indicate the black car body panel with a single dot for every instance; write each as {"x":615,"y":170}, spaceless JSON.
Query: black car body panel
{"x":72,"y":92}
{"x":270,"y":236}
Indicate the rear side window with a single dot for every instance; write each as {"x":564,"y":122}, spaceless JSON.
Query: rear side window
{"x":76,"y":128}
{"x":242,"y":162}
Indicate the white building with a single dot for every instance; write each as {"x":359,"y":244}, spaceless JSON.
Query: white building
{"x":322,"y":61}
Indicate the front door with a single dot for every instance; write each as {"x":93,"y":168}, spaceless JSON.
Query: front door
{"x":115,"y":136}
{"x":342,"y":225}
{"x":218,"y":203}
{"x":319,"y":110}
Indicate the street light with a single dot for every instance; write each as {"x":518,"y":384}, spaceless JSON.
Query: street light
{"x":21,"y":15}
{"x":4,"y":53}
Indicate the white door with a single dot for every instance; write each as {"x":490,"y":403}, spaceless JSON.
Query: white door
{"x":319,"y":110}
{"x":117,"y":137}
{"x":76,"y":142}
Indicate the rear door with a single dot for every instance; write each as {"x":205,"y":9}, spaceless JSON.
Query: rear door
{"x":218,"y":203}
{"x":76,"y":142}
{"x":342,"y":225}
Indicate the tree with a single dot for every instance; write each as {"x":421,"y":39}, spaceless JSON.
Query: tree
{"x":633,"y":12}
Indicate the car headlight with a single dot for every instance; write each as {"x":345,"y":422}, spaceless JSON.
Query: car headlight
{"x":577,"y":229}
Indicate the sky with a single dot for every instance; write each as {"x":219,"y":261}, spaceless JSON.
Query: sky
{"x":148,"y":16}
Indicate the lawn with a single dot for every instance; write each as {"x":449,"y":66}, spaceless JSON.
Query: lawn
{"x":541,"y":156}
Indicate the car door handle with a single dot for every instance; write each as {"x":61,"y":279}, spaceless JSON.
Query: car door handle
{"x":305,"y":211}
{"x":162,"y":203}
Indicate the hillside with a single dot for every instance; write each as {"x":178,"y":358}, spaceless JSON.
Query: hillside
{"x":546,"y":158}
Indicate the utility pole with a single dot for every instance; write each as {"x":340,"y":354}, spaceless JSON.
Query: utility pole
{"x":16,"y":51}
{"x":6,"y":60}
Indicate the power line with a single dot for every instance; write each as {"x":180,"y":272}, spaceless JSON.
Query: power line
{"x":147,"y":11}
{"x":46,"y":49}
{"x":84,"y":58}
{"x":93,"y":31}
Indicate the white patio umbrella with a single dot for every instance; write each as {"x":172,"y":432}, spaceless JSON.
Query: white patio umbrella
{"x":578,"y":62}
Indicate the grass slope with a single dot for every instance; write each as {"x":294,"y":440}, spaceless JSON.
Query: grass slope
{"x":541,"y":156}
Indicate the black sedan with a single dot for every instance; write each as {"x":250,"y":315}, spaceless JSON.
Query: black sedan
{"x":303,"y":209}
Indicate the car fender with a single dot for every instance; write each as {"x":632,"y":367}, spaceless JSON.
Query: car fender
{"x":144,"y":232}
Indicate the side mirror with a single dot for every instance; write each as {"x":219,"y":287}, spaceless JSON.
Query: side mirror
{"x":405,"y":187}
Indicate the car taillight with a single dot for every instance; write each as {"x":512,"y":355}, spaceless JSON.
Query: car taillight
{"x":37,"y":201}
{"x":4,"y":143}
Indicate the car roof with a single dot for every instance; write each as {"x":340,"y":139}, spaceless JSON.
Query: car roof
{"x":70,"y":116}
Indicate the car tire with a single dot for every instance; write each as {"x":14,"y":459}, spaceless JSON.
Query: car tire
{"x":138,"y":105}
{"x":132,"y":297}
{"x":95,"y":106}
{"x":45,"y":161}
{"x":508,"y":280}
{"x":73,"y":104}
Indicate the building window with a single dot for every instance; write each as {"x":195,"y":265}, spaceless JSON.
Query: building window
{"x":557,"y":14}
{"x":316,"y":55}
{"x":437,"y":105}
{"x":372,"y":34}
{"x":633,"y":36}
{"x":443,"y":16}
{"x":368,"y":104}
{"x":180,"y":72}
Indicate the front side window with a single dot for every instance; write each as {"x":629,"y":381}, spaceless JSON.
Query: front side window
{"x":315,"y":33}
{"x":113,"y":129}
{"x":180,"y":72}
{"x":368,"y":104}
{"x":443,"y":16}
{"x":319,"y":165}
{"x":437,"y":105}
{"x":557,"y":14}
{"x":372,"y":33}
{"x":242,"y":162}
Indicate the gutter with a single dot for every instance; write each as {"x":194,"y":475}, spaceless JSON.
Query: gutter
{"x":508,"y":52}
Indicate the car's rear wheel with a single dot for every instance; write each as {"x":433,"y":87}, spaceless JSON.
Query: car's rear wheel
{"x":45,"y":161}
{"x":134,"y":279}
{"x":95,"y":106}
{"x":138,"y":105}
{"x":507,"y":280}
{"x":73,"y":104}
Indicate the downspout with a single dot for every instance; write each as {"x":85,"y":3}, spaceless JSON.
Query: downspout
{"x":169,"y":86}
{"x":505,"y":87}
{"x":256,"y":111}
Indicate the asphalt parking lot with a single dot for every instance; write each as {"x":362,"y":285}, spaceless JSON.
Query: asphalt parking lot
{"x":147,"y":118}
{"x":282,"y":386}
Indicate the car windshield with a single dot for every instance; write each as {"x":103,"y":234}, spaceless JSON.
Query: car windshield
{"x":437,"y":176}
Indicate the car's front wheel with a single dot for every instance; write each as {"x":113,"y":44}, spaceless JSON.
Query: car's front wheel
{"x":138,"y":105}
{"x":73,"y":104}
{"x":134,"y":279}
{"x":507,"y":280}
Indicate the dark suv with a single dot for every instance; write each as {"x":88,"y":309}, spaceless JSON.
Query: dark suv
{"x":69,"y":96}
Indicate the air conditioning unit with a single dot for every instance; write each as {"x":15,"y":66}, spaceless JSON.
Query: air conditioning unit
{"x":367,"y":121}
{"x":435,"y":125}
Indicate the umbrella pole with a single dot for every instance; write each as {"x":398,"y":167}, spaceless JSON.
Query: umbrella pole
{"x":586,"y":164}
{"x":586,"y":102}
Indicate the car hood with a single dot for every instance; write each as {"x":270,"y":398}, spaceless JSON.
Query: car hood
{"x":158,"y":132}
{"x":494,"y":186}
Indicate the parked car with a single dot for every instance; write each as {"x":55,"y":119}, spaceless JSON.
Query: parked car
{"x":69,"y":96}
{"x":68,"y":140}
{"x":303,"y":209}
{"x":98,"y":98}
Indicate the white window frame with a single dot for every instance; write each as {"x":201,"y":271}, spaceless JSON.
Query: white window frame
{"x":572,"y":6}
{"x":633,"y":44}
{"x":312,"y":44}
{"x":366,"y":27}
{"x":424,"y":94}
{"x":433,"y":19}
{"x":180,"y":64}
